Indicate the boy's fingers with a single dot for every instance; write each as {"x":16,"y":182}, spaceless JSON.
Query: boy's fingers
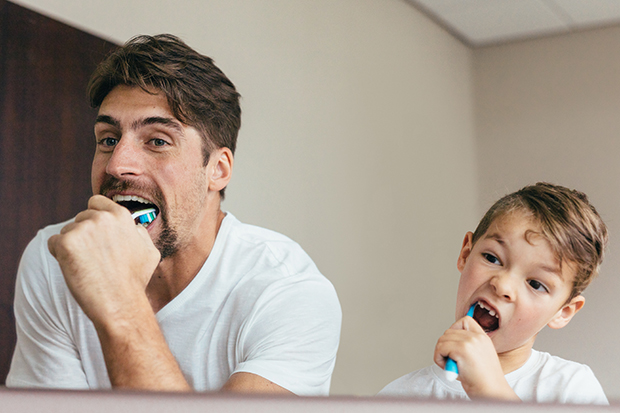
{"x":447,"y":343}
{"x":472,"y":325}
{"x":467,"y":323}
{"x":459,"y":324}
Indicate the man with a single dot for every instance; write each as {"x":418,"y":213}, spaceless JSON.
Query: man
{"x":195,"y":300}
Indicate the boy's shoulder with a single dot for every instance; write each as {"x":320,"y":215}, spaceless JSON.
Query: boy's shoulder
{"x":548,"y":378}
{"x":544,"y":378}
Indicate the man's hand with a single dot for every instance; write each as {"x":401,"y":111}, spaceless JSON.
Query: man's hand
{"x":480,"y":371}
{"x":106,"y":259}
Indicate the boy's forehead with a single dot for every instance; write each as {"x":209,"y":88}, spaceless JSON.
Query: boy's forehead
{"x":524,"y":224}
{"x":517,"y":220}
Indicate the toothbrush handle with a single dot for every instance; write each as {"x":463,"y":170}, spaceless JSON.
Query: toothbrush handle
{"x":452,"y":369}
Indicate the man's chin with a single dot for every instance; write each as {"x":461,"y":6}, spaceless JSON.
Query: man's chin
{"x":166,"y":243}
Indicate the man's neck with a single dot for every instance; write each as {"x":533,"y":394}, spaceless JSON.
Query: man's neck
{"x":174,"y":273}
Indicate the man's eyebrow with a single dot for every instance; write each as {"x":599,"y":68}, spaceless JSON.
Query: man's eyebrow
{"x":159,"y":120}
{"x":109,"y":120}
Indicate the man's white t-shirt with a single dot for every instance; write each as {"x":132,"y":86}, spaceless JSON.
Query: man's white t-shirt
{"x":543,"y":378}
{"x":258,"y":305}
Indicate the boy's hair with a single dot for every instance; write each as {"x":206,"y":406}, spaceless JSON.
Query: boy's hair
{"x":569,"y":222}
{"x":198,"y":92}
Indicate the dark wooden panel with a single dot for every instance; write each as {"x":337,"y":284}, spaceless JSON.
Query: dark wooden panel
{"x":46,"y":138}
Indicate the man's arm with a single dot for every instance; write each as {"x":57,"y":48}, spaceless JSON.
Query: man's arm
{"x":252,"y":383}
{"x":136,"y":353}
{"x":107,"y":262}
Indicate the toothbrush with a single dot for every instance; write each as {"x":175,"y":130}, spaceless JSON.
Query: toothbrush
{"x":451,"y":369}
{"x":145,"y":216}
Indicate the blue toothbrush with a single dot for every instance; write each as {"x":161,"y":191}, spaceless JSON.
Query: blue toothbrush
{"x":145,"y":216}
{"x":451,"y":369}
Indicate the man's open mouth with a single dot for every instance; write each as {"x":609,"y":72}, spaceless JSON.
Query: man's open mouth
{"x":134,"y":203}
{"x":486,"y":317}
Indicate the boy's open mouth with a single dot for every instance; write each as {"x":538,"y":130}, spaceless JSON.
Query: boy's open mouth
{"x":486,"y":317}
{"x":134,"y":203}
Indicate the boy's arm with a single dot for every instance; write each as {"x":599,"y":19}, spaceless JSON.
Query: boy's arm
{"x":480,"y":371}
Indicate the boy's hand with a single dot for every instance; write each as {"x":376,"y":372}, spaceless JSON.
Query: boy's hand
{"x":480,"y":371}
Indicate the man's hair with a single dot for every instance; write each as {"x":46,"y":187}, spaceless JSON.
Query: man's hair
{"x":198,"y":92}
{"x":576,"y":232}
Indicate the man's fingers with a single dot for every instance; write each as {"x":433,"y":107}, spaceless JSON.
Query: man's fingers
{"x":51,"y":244}
{"x":102,"y":203}
{"x":147,"y":239}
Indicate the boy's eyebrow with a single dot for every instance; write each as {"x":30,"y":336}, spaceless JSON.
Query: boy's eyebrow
{"x":496,"y":237}
{"x":552,"y":270}
{"x":555,"y":269}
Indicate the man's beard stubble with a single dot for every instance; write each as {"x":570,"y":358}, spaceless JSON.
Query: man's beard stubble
{"x":167,"y":241}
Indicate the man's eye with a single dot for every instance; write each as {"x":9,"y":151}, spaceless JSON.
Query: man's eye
{"x":538,"y":286}
{"x":109,"y":142}
{"x":490,"y":258}
{"x":159,"y":142}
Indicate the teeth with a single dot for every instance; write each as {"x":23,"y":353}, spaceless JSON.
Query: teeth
{"x":121,"y":198}
{"x":492,"y":312}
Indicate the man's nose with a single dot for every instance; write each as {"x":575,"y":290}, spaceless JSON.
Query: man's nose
{"x":125,"y":159}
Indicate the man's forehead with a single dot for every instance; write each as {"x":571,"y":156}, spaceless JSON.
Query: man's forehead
{"x":133,"y":97}
{"x":131,"y":107}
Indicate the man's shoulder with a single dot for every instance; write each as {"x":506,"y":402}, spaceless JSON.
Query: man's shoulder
{"x":46,"y":232}
{"x":253,"y":233}
{"x":260,"y":262}
{"x":254,"y":241}
{"x":38,"y":245}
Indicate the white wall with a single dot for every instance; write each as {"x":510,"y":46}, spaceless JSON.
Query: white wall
{"x":357,"y":141}
{"x":549,"y":110}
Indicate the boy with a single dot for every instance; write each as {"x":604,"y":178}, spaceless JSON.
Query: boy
{"x":525,"y":266}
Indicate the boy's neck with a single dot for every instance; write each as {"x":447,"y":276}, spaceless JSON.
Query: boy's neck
{"x":513,"y":359}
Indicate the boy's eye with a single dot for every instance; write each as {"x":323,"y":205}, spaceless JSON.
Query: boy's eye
{"x":538,"y":286}
{"x":490,"y":258}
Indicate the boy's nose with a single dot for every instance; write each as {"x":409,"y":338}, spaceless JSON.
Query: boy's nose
{"x":504,"y":286}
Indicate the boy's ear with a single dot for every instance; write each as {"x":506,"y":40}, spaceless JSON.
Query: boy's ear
{"x":465,"y":251}
{"x":566,"y":313}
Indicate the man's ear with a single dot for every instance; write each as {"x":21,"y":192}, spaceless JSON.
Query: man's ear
{"x":465,"y":251}
{"x":566,"y":313}
{"x":219,"y":169}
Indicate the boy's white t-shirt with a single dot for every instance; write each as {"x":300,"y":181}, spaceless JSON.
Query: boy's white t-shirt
{"x":258,"y":305}
{"x":543,"y":378}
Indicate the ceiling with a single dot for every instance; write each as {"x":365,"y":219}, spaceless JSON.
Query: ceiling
{"x":489,"y":22}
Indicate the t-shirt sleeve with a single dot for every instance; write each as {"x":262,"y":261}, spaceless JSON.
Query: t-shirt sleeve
{"x":292,"y":334}
{"x":45,"y":355}
{"x":584,"y":388}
